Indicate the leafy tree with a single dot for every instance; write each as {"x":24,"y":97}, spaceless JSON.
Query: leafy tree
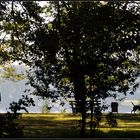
{"x":89,"y":49}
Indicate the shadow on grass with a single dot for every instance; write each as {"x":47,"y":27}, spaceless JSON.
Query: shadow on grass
{"x":129,"y":117}
{"x":51,"y":133}
{"x":65,"y":126}
{"x":49,"y":123}
{"x":51,"y":127}
{"x":118,"y":134}
{"x":69,"y":133}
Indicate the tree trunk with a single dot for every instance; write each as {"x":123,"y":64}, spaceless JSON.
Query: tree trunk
{"x":79,"y":89}
{"x":91,"y":119}
{"x":83,"y":116}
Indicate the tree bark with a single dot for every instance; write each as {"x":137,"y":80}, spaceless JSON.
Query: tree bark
{"x":79,"y":89}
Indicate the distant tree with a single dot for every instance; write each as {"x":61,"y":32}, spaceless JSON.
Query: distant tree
{"x":46,"y":107}
{"x":63,"y":110}
{"x":138,"y":101}
{"x":9,"y":73}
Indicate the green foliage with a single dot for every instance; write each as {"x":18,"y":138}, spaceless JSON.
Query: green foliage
{"x":100,"y":47}
{"x":4,"y":55}
{"x":9,"y":72}
{"x":108,"y":62}
{"x":9,"y":127}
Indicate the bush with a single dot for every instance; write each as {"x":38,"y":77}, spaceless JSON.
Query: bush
{"x":111,"y":120}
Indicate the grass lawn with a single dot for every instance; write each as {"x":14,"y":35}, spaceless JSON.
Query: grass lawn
{"x":66,"y":125}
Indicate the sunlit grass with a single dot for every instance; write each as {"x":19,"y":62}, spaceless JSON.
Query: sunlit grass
{"x":66,"y":125}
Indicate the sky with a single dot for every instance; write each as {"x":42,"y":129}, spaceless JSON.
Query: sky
{"x":13,"y":91}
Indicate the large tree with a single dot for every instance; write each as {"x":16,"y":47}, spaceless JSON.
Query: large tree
{"x":89,"y":48}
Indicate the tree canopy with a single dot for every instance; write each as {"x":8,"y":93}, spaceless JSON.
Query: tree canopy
{"x":88,"y":49}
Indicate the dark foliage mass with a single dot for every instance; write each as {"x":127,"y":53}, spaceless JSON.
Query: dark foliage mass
{"x":89,"y":50}
{"x":8,"y":128}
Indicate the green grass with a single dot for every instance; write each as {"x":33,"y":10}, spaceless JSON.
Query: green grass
{"x":53,"y":125}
